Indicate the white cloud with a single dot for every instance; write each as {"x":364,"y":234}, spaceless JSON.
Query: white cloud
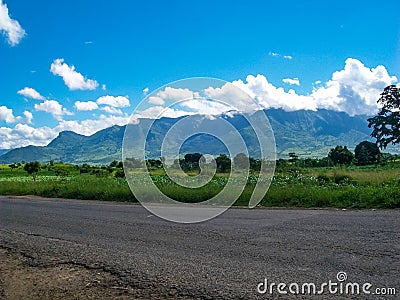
{"x":103,"y":87}
{"x":30,"y":93}
{"x":354,"y":90}
{"x":28,"y":117}
{"x":112,"y":110}
{"x":9,"y":27}
{"x":156,"y":100}
{"x":145,"y":91}
{"x":88,"y":42}
{"x":234,"y":98}
{"x":118,"y":101}
{"x":156,"y":112}
{"x":176,"y":94}
{"x":274,"y":54}
{"x":54,"y":108}
{"x":7,"y":115}
{"x":268,"y":96}
{"x":89,"y":127}
{"x":73,"y":79}
{"x":23,"y":135}
{"x":89,"y":105}
{"x":291,"y":81}
{"x":170,"y":93}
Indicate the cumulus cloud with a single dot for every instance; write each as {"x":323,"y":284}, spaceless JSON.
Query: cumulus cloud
{"x":89,"y":105}
{"x":231,"y":98}
{"x":28,"y":117}
{"x":170,"y":93}
{"x":156,"y":100}
{"x":156,"y":112}
{"x":91,"y":126}
{"x":291,"y":81}
{"x":7,"y":115}
{"x":30,"y":93}
{"x":354,"y":90}
{"x":72,"y":79}
{"x":118,"y":101}
{"x":23,"y":135}
{"x":112,"y":110}
{"x":10,"y":27}
{"x":54,"y":108}
{"x":176,"y":94}
{"x":145,"y":91}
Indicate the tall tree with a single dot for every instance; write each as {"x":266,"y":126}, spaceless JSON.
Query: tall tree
{"x":223,"y":163}
{"x":341,"y":155}
{"x":32,"y":168}
{"x":367,"y":153}
{"x":386,"y":124}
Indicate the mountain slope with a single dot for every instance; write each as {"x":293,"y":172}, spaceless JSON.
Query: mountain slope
{"x":308,"y":133}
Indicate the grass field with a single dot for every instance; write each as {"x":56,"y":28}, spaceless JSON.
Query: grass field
{"x":340,"y":187}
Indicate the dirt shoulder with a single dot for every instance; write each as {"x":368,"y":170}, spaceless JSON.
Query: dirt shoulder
{"x":20,"y":278}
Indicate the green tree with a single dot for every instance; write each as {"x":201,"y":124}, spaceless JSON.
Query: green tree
{"x":386,"y":124}
{"x":367,"y":153}
{"x":13,"y":166}
{"x":341,"y":155}
{"x":113,"y":164}
{"x":32,"y":168}
{"x":223,"y":163}
{"x":293,"y":157}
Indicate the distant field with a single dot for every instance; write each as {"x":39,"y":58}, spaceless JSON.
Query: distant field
{"x":341,"y":187}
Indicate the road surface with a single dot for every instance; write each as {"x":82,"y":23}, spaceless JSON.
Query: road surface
{"x":55,"y":248}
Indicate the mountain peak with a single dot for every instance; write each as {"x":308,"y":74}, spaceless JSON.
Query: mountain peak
{"x":65,"y":138}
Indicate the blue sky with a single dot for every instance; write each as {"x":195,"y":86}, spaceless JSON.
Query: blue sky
{"x":101,"y":55}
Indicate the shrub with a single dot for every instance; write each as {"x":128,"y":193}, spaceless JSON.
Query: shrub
{"x":323,"y":179}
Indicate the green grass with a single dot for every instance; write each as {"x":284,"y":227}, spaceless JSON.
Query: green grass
{"x":352,"y":187}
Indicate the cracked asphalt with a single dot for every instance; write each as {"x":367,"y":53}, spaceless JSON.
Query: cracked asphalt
{"x":70,"y":249}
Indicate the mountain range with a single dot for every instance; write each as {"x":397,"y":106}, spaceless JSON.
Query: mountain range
{"x":305,"y":132}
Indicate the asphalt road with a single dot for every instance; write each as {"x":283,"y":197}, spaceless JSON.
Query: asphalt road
{"x":225,"y":258}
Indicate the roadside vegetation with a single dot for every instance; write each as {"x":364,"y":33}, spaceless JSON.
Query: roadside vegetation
{"x":342,"y":179}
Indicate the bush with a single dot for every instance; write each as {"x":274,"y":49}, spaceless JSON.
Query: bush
{"x":119,"y":174}
{"x":323,"y":179}
{"x":342,"y":179}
